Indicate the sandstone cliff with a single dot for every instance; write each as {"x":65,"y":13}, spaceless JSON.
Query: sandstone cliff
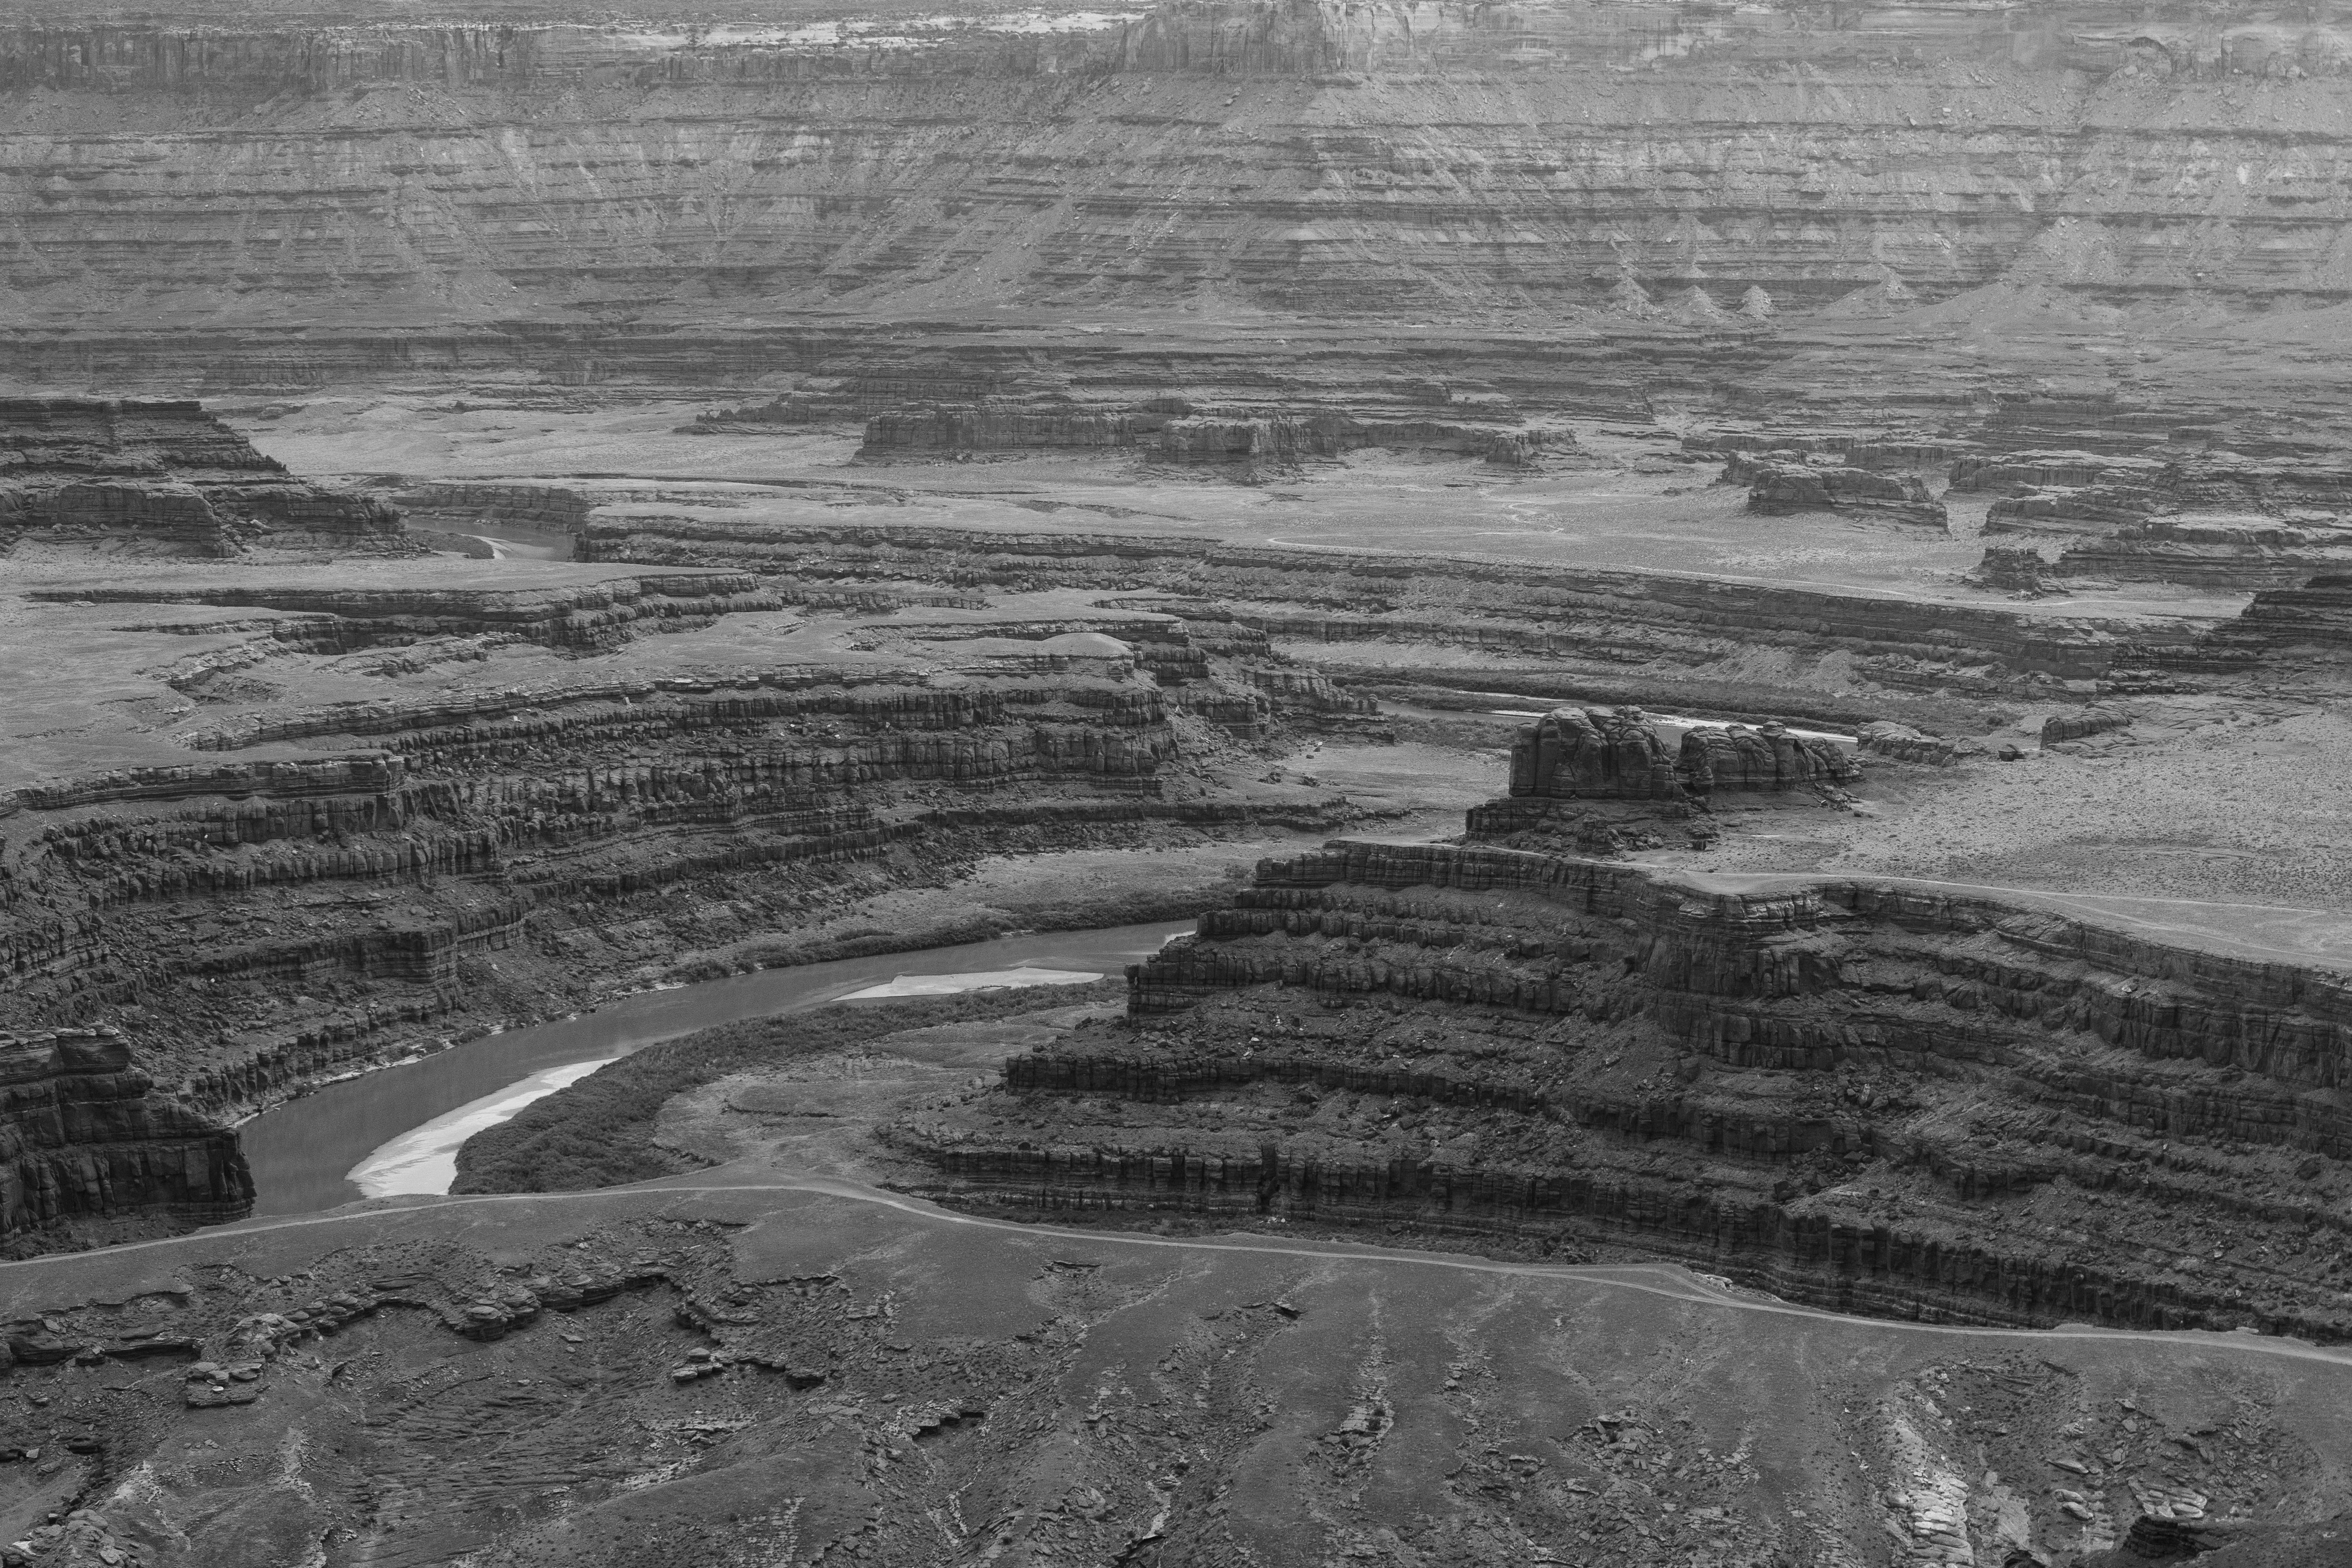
{"x":1883,"y":1097}
{"x":84,"y":1136}
{"x":164,"y":475}
{"x":321,"y":883}
{"x":1337,"y":602}
{"x":856,"y":162}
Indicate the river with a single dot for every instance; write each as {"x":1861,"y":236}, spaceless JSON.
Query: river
{"x":398,"y":1129}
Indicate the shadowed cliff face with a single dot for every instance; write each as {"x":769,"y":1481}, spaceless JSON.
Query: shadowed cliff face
{"x":1314,"y":157}
{"x":84,"y":1138}
{"x":1887,"y":1099}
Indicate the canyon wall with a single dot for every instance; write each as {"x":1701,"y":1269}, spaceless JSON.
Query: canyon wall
{"x":436,"y":858}
{"x":1302,"y":156}
{"x":168,"y":477}
{"x":1874,"y":1096}
{"x":83,"y":1137}
{"x":1327,"y":604}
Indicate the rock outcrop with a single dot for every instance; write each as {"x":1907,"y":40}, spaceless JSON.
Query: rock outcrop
{"x":437,"y":856}
{"x":1179,"y":431}
{"x":580,"y":615}
{"x":2214,"y":519}
{"x":2082,"y":723}
{"x":2281,"y":627}
{"x":1507,"y":609}
{"x":935,"y":428}
{"x":1885,"y":738}
{"x":166,"y":476}
{"x":2014,"y":569}
{"x":1848,"y":1092}
{"x":86,"y":1136}
{"x":1573,"y":753}
{"x":2229,"y":554}
{"x":1777,"y":488}
{"x":679,"y":181}
{"x":1732,"y":758}
{"x":466,"y":507}
{"x":1576,"y":754}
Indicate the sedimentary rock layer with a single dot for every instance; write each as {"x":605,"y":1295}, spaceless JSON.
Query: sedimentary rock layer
{"x":84,"y":1135}
{"x":1575,"y":753}
{"x":1521,"y":157}
{"x":1891,"y":1099}
{"x":587,"y":616}
{"x":1511,"y":608}
{"x":1778,"y":488}
{"x":167,"y":475}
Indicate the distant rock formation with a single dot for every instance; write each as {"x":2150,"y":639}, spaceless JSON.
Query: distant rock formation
{"x":1605,"y":753}
{"x":2316,"y":617}
{"x":1326,"y":595}
{"x":1777,"y":488}
{"x":615,"y":127}
{"x":2231,"y":554}
{"x":935,"y":427}
{"x":2082,"y":723}
{"x":168,"y":476}
{"x":1816,"y":1086}
{"x":1745,"y":449}
{"x":2214,"y":519}
{"x":578,"y":615}
{"x":462,"y":506}
{"x":1769,"y":757}
{"x":1885,"y":738}
{"x":2014,"y":569}
{"x":1576,"y":754}
{"x":1177,"y":431}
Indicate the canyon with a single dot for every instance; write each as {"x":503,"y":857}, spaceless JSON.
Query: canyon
{"x":1725,"y":627}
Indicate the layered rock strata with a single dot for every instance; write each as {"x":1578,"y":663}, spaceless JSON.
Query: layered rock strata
{"x":467,"y":507}
{"x":798,"y":169}
{"x":2279,"y":629}
{"x":1733,"y":758}
{"x":579,"y":617}
{"x":1323,"y":602}
{"x":1776,"y":489}
{"x":2215,"y":520}
{"x":2082,"y":725}
{"x":85,"y":1135}
{"x":167,"y":476}
{"x":1745,"y":449}
{"x":448,"y":857}
{"x":1576,"y":753}
{"x":1881,"y":1097}
{"x":1174,"y":430}
{"x":1886,"y":737}
{"x":2232,"y":554}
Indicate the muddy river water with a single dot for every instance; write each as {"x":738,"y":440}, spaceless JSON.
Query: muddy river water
{"x":398,"y":1130}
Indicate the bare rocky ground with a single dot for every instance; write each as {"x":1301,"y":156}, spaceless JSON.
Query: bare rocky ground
{"x":678,"y":495}
{"x":807,"y":1367}
{"x":756,"y":1375}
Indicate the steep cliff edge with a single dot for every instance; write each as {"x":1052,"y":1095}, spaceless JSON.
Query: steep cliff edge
{"x":269,"y":821}
{"x":1885,"y":1097}
{"x":165,"y":475}
{"x":1525,"y":158}
{"x":1328,"y":607}
{"x":85,"y":1138}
